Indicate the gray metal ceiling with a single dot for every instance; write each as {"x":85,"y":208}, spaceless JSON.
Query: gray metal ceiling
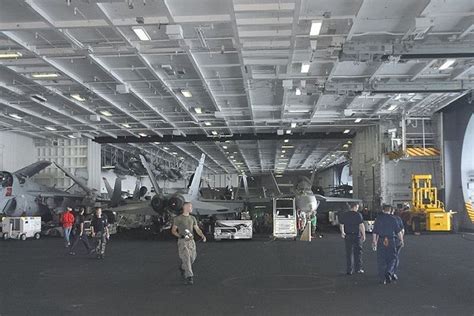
{"x":241,"y":62}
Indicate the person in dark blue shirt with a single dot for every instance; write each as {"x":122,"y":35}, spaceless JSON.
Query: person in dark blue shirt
{"x":398,"y":245}
{"x":353,"y":232}
{"x":385,"y":230}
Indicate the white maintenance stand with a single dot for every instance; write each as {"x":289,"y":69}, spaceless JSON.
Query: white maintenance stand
{"x":284,"y":218}
{"x":21,"y":227}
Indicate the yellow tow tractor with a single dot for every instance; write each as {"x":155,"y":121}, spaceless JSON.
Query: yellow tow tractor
{"x":427,"y":212}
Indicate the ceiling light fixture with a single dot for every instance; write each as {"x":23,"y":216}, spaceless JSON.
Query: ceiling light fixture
{"x":50,"y":128}
{"x":286,"y":140}
{"x":198,"y":110}
{"x":165,"y":148}
{"x":77,"y":97}
{"x":347,"y":131}
{"x":10,"y":54}
{"x":283,"y":151}
{"x":345,"y":145}
{"x":315,"y":28}
{"x":304,"y":68}
{"x":45,"y":75}
{"x":186,"y":93}
{"x":288,"y":146}
{"x":105,"y":113}
{"x":141,"y":33}
{"x":358,"y":120}
{"x":298,"y":91}
{"x":142,"y":134}
{"x":447,"y":64}
{"x":126,"y":125}
{"x":71,"y":136}
{"x":225,"y":147}
{"x":40,"y":98}
{"x":214,"y":133}
{"x":15,"y":116}
{"x":392,"y":107}
{"x":293,"y":125}
{"x":207,"y":123}
{"x":298,"y":111}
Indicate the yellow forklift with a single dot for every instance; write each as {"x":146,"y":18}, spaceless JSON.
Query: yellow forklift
{"x":427,"y":212}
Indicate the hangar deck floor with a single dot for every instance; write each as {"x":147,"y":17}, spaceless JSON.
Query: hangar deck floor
{"x":259,"y":277}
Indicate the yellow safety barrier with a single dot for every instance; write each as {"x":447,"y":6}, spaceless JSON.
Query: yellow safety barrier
{"x":422,"y":152}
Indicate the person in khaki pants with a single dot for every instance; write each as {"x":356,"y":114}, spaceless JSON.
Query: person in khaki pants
{"x":183,"y":227}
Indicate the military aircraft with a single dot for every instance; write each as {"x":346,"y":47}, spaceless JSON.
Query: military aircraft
{"x":20,"y":195}
{"x":305,"y":199}
{"x":171,"y":204}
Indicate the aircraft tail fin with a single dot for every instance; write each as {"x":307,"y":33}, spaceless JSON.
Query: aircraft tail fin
{"x":150,"y":174}
{"x":136,"y":192}
{"x":117,"y":192}
{"x":193,"y":191}
{"x":109,"y":189}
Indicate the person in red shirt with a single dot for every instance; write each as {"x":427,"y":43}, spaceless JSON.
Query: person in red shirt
{"x":67,"y":220}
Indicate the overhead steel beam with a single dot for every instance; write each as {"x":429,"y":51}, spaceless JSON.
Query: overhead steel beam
{"x":205,"y":138}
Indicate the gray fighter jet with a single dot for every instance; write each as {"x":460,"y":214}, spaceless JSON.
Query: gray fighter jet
{"x":171,"y":204}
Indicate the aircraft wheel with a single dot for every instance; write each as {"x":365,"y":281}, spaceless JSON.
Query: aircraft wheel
{"x":5,"y":236}
{"x":23,"y":237}
{"x":37,"y":236}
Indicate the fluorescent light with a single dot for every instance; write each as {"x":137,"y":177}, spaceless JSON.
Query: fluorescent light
{"x":282,"y":156}
{"x":142,"y":134}
{"x":448,"y":63}
{"x":50,"y":128}
{"x":77,"y":97}
{"x":392,"y":107}
{"x":298,"y":91}
{"x":45,"y":75}
{"x":198,"y":110}
{"x":214,"y":133}
{"x":126,"y":125}
{"x":165,"y":148}
{"x":225,"y":147}
{"x":15,"y":116}
{"x":293,"y":125}
{"x":288,"y":146}
{"x":358,"y":120}
{"x":40,"y":98}
{"x":231,"y":157}
{"x":141,"y":33}
{"x":187,"y":94}
{"x":286,"y":140}
{"x":278,"y":176}
{"x":156,"y":143}
{"x":347,"y":131}
{"x":288,"y":131}
{"x":234,"y":152}
{"x":105,"y":113}
{"x":174,"y":153}
{"x":71,"y":136}
{"x":304,"y":68}
{"x":315,"y":28}
{"x":10,"y":54}
{"x":207,"y":123}
{"x":283,"y":151}
{"x":298,"y":111}
{"x":345,"y":145}
{"x":349,"y":141}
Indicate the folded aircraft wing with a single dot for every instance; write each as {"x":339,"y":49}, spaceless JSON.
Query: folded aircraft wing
{"x":34,"y":168}
{"x":331,"y":199}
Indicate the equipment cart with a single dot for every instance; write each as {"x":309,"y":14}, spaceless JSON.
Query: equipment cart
{"x":21,"y":227}
{"x":233,"y":229}
{"x":284,"y":218}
